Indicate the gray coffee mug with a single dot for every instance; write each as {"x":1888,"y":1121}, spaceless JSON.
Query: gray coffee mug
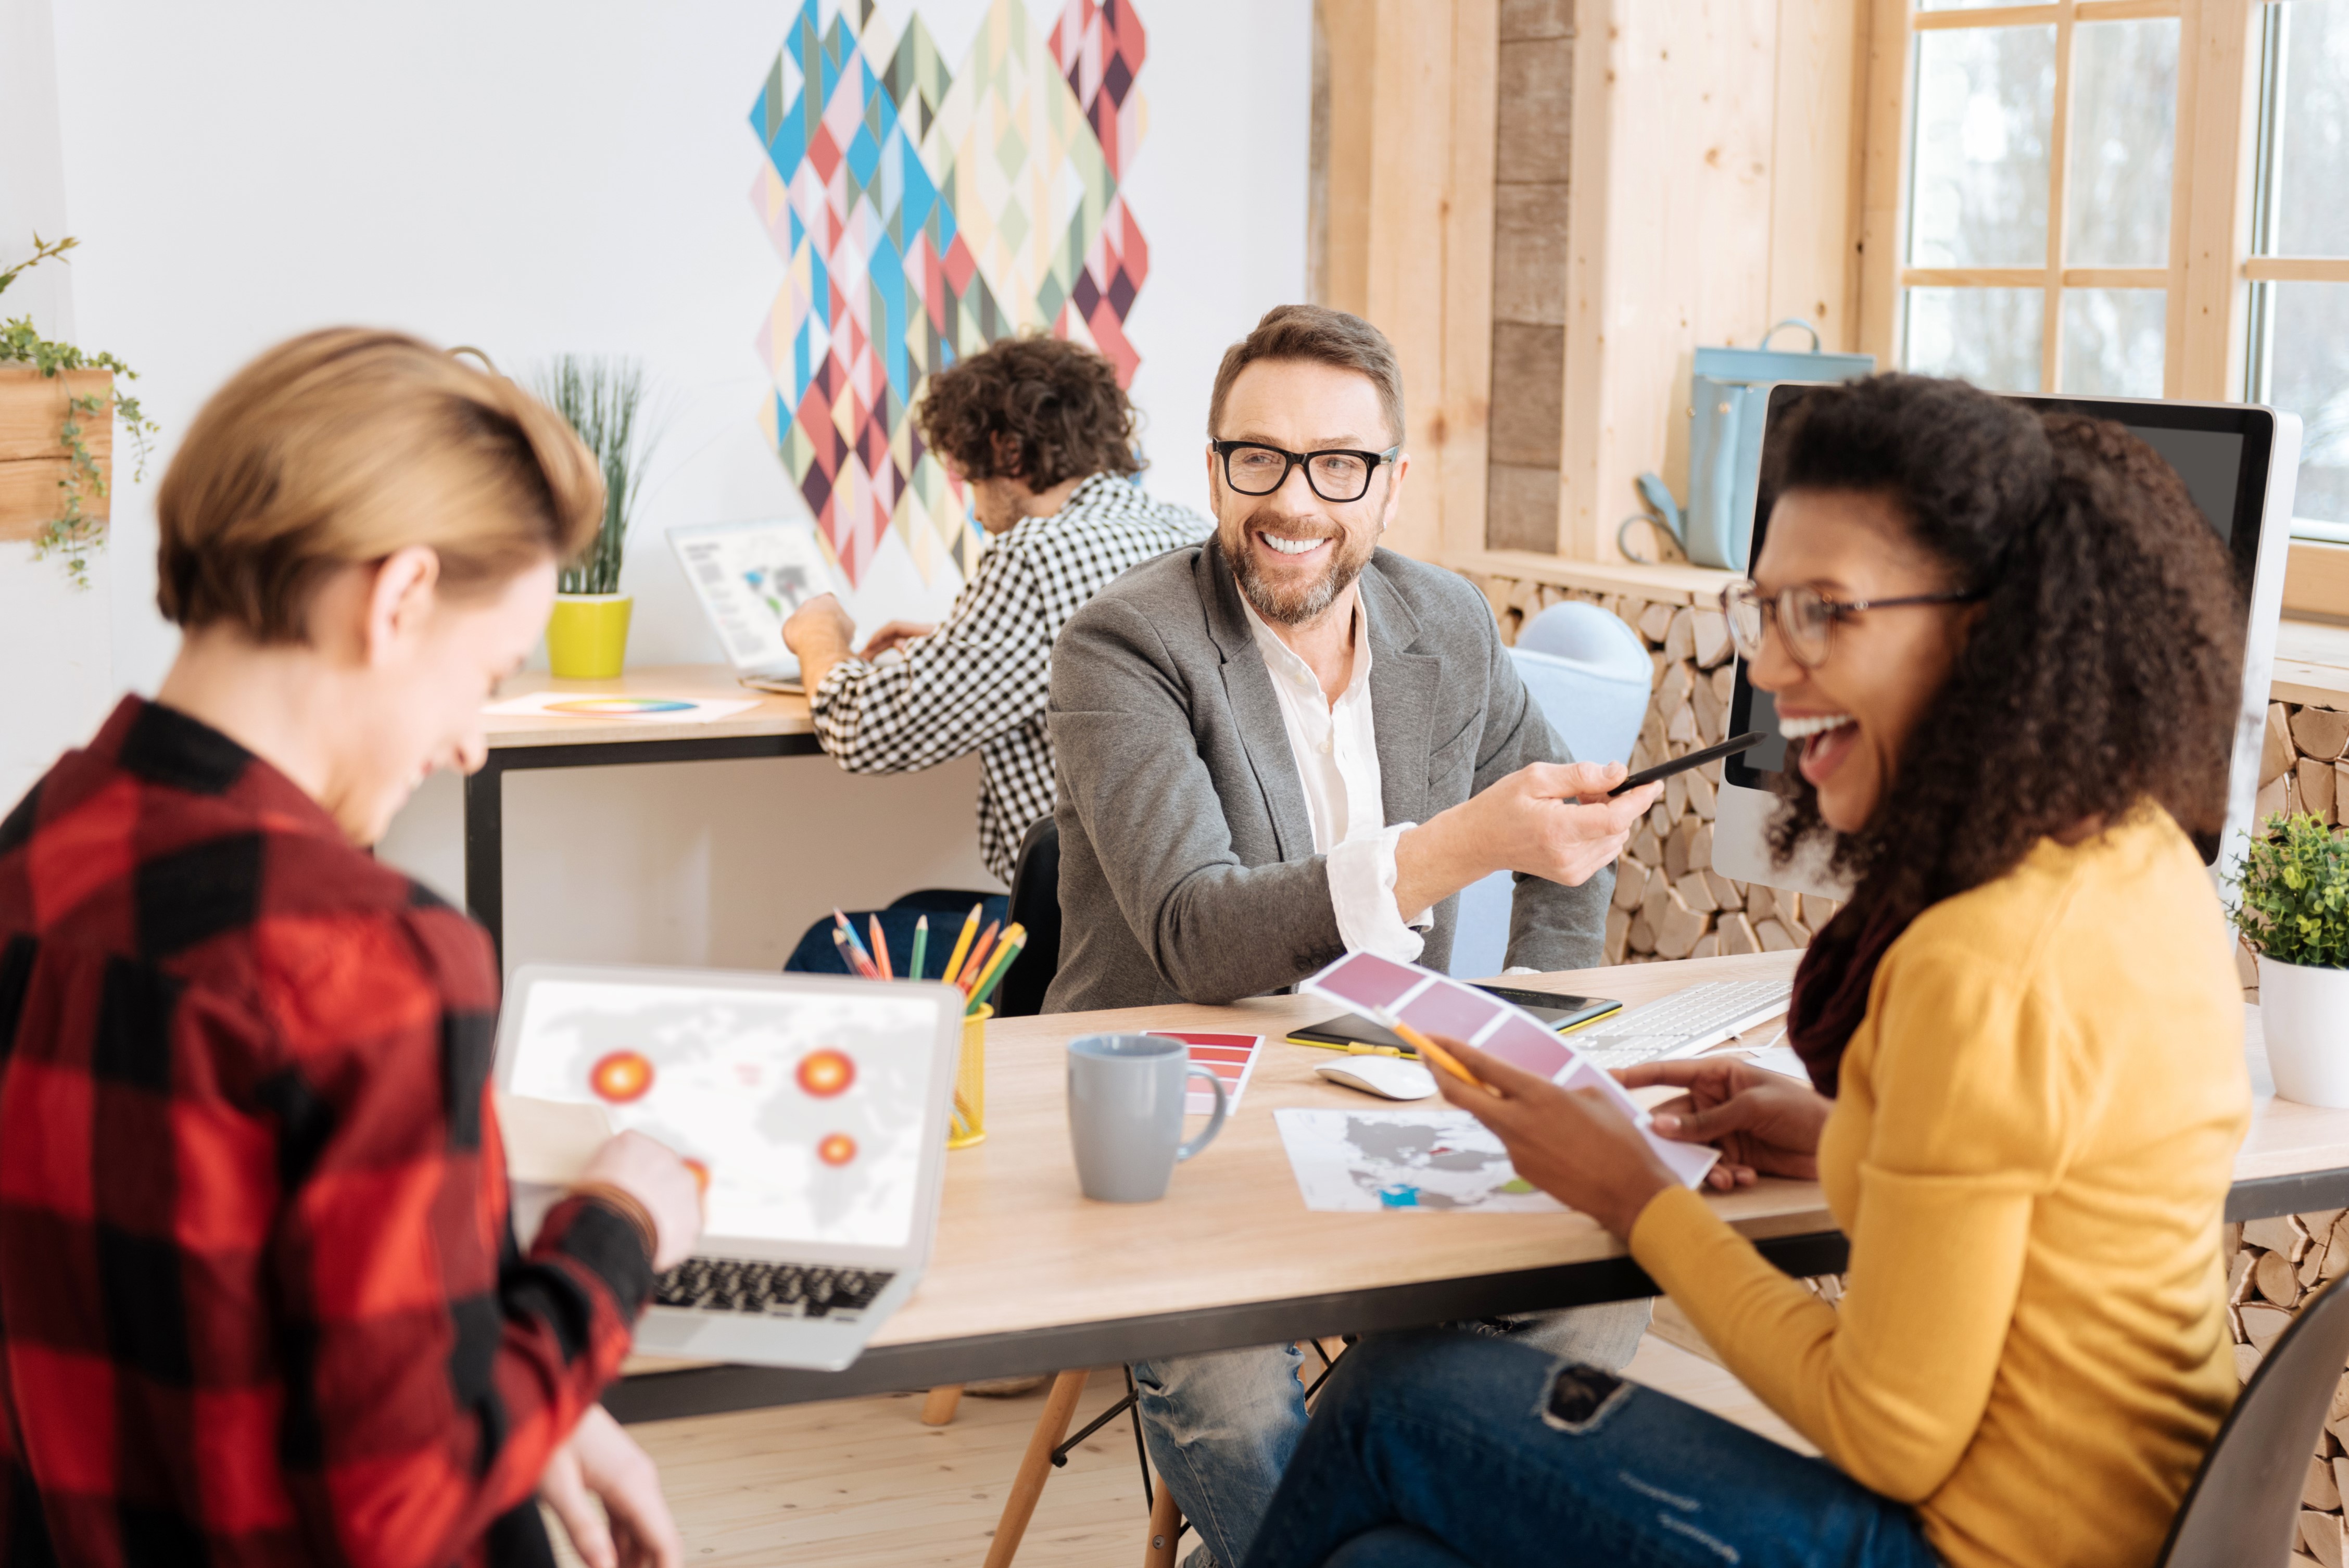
{"x":1125,"y":1113}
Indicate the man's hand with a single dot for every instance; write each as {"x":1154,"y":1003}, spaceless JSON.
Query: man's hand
{"x":1573,"y":1144}
{"x":600,"y":1460}
{"x":650,"y":1173}
{"x":896,"y":634}
{"x":1764,"y":1123}
{"x":818,"y":635}
{"x":1551,"y":819}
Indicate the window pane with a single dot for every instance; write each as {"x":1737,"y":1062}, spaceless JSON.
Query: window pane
{"x":1989,"y":337}
{"x":2113,"y":341}
{"x":2308,"y":374}
{"x":2313,"y":131}
{"x":2123,"y":115}
{"x":1985,"y":98}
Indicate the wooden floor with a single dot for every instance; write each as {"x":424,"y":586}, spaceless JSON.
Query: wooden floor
{"x":864,"y":1484}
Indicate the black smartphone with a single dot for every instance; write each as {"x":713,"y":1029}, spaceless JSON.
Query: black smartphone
{"x":1560,"y":1012}
{"x":1729,"y":747}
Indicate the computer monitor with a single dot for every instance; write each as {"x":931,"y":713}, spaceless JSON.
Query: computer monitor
{"x":2238,"y":461}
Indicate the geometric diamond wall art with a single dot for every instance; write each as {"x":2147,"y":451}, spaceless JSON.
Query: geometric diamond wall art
{"x":921,"y":214}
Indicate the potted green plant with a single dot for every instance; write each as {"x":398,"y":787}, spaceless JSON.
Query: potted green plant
{"x":57,"y":408}
{"x":587,"y":635}
{"x":2293,"y":907}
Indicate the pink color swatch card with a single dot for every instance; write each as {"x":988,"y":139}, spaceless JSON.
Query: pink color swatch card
{"x":1436,"y":1004}
{"x":1232,"y":1058}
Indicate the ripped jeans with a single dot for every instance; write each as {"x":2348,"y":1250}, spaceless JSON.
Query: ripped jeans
{"x":1220,"y":1427}
{"x":1438,"y":1450}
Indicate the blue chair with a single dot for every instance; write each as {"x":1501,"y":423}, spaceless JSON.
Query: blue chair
{"x":1590,"y":674}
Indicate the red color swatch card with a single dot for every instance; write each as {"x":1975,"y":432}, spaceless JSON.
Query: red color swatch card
{"x":1438,"y":1004}
{"x":1232,"y":1058}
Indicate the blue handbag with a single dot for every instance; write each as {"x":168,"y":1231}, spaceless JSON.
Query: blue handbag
{"x":1729,"y":393}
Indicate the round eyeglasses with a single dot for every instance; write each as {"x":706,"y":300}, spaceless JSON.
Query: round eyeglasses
{"x":1806,"y":617}
{"x":1336,"y":475}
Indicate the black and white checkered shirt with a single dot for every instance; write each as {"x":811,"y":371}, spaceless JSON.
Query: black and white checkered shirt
{"x":979,"y":682}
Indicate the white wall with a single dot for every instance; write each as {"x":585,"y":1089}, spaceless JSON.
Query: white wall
{"x":541,"y":176}
{"x":54,"y":642}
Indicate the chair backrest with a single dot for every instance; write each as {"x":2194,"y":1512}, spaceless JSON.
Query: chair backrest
{"x":2244,"y":1504}
{"x":1590,"y":673}
{"x":1036,"y":905}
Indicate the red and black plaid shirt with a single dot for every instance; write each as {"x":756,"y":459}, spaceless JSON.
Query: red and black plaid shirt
{"x":260,"y":1301}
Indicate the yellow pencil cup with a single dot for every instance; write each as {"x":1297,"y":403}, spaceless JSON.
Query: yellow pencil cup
{"x":967,"y":1124}
{"x":587,"y":636}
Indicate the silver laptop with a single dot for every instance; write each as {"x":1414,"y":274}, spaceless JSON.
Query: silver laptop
{"x":749,"y":578}
{"x":815,"y":1109}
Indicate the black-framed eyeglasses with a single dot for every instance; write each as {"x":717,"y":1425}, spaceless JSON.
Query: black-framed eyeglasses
{"x":1336,"y":475}
{"x":1806,"y":617}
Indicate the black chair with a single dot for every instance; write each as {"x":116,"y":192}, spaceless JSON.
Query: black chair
{"x":2244,"y":1504}
{"x":1036,"y":905}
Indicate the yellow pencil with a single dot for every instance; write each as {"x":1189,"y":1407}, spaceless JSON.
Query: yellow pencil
{"x":1005,"y":952}
{"x":962,"y":946}
{"x":1429,"y":1051}
{"x":971,"y":966}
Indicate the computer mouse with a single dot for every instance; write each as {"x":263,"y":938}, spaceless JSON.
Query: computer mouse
{"x":1389,"y":1077}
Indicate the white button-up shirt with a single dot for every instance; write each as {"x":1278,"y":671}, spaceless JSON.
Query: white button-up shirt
{"x":1335,"y":750}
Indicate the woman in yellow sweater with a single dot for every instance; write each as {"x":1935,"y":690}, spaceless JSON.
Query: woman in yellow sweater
{"x":2004,"y":643}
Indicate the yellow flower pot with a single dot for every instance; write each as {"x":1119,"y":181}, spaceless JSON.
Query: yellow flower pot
{"x":587,"y":635}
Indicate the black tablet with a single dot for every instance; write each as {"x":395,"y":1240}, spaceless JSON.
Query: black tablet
{"x":1561,"y":1013}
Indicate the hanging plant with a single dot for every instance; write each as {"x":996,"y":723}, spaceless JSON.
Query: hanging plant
{"x":75,"y":530}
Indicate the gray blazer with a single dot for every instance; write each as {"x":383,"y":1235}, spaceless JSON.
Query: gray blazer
{"x":1188,"y":871}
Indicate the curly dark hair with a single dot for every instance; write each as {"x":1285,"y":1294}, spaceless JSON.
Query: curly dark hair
{"x":1038,"y":409}
{"x":2102,"y":672}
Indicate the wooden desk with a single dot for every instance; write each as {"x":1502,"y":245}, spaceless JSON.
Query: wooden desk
{"x":778,"y":726}
{"x":1030,"y":1276}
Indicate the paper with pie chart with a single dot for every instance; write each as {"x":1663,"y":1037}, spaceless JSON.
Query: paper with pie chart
{"x":800,"y":1110}
{"x":1438,"y":1004}
{"x":614,"y":705}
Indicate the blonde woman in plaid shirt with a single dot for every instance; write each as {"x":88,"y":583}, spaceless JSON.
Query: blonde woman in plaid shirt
{"x":1039,"y":431}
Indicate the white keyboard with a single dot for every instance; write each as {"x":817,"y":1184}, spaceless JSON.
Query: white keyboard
{"x":1682,"y":1023}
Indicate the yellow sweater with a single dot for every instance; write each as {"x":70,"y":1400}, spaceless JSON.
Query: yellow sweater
{"x":2031,"y":1146}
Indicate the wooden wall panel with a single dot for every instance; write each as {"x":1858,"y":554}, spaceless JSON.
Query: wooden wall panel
{"x":1817,"y":165}
{"x":1674,"y":140}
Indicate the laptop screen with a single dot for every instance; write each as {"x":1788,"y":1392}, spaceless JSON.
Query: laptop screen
{"x":805,"y":1110}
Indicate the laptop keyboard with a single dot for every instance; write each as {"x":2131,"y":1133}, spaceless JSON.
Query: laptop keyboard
{"x":1688,"y":1021}
{"x":771,"y":1290}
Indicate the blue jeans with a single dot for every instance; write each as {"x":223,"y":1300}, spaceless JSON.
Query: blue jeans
{"x":1221,"y":1427}
{"x":1435,"y":1450}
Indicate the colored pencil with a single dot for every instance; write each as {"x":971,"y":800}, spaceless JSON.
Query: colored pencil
{"x":921,"y":947}
{"x":971,"y":966}
{"x":880,"y":949}
{"x":855,"y":942}
{"x":1429,"y":1051}
{"x":1013,"y":941}
{"x":962,"y":946}
{"x":850,"y":956}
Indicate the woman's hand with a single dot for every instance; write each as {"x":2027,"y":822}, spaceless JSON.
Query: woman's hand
{"x":634,"y":1529}
{"x":1764,"y":1123}
{"x":1573,"y":1144}
{"x":649,"y":1171}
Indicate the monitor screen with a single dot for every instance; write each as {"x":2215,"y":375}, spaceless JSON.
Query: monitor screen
{"x":803,"y":1110}
{"x":2220,"y":452}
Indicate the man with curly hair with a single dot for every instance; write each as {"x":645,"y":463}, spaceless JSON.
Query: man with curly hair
{"x":1040,"y":432}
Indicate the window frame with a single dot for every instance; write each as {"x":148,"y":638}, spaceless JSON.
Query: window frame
{"x":2211,"y":271}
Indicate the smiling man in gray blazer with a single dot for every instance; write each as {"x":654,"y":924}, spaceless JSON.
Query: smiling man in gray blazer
{"x":1286,"y":744}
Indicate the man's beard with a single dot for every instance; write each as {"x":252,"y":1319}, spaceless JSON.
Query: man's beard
{"x":1295,"y":606}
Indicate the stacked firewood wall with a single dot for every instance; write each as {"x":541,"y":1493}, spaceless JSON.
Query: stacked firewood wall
{"x":1670,"y":903}
{"x":2274,"y":1267}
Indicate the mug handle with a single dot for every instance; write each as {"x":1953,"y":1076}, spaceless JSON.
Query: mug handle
{"x":1215,"y":1123}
